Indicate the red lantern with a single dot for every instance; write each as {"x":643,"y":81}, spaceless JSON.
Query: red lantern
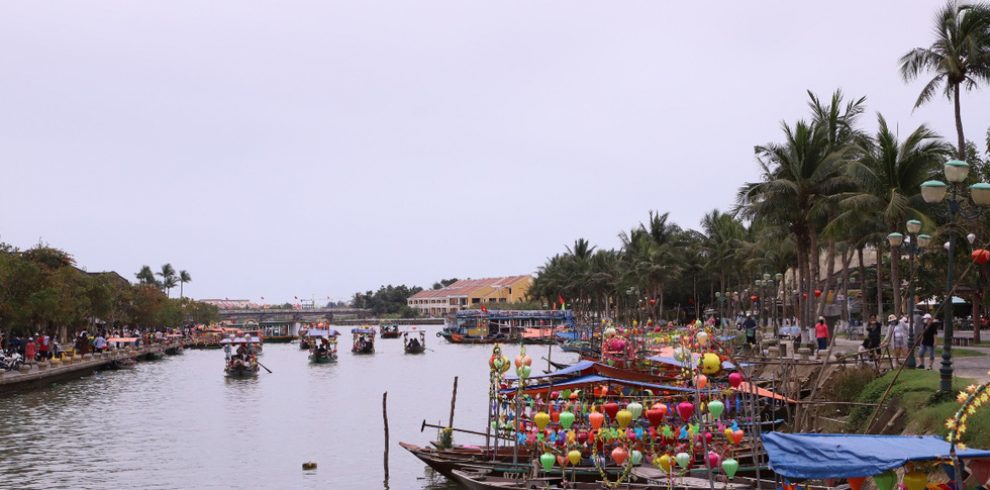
{"x":981,"y":256}
{"x":753,"y":298}
{"x":611,"y":409}
{"x":804,"y":295}
{"x":818,"y":293}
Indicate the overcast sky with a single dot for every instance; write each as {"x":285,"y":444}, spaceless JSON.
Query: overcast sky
{"x":314,"y":149}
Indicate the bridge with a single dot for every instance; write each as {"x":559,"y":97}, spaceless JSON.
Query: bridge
{"x":278,"y":315}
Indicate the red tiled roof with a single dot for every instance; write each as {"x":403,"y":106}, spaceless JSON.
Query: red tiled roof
{"x":466,"y":286}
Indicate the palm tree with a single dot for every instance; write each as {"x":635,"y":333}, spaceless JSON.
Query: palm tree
{"x":184,"y":277}
{"x":890,"y":174}
{"x":146,"y":276}
{"x":959,"y":57}
{"x":168,"y":276}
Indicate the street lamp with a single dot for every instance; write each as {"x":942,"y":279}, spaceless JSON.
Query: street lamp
{"x":934,"y":192}
{"x":916,"y":245}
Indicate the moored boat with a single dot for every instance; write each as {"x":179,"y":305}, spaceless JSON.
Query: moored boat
{"x":412,"y":344}
{"x":486,"y":327}
{"x":364,"y":340}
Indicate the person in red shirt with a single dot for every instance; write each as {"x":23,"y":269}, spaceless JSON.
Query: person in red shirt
{"x":821,"y":333}
{"x":30,"y":350}
{"x":43,"y":346}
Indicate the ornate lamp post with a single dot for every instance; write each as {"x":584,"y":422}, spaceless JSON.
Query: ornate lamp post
{"x":916,"y":245}
{"x":934,"y":192}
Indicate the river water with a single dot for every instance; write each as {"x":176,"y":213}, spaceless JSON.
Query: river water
{"x":179,"y":423}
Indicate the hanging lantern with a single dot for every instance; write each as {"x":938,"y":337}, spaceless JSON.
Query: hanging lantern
{"x":818,"y":293}
{"x":636,"y":409}
{"x":716,"y":407}
{"x":623,"y":417}
{"x":596,"y":419}
{"x":735,"y":379}
{"x":885,"y":480}
{"x":656,"y":414}
{"x":737,"y":436}
{"x":856,"y":482}
{"x":547,"y":460}
{"x":981,"y":256}
{"x":730,"y":466}
{"x":685,"y":409}
{"x":915,"y":480}
{"x":663,"y":462}
{"x":566,"y":419}
{"x":701,"y":381}
{"x":683,"y":459}
{"x":711,"y":363}
{"x":636,"y":457}
{"x":611,"y":409}
{"x":713,"y":459}
{"x":702,"y":338}
{"x":619,"y":455}
{"x":574,"y":456}
{"x":541,"y":419}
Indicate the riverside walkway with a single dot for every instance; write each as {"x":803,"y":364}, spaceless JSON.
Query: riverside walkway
{"x":42,"y":373}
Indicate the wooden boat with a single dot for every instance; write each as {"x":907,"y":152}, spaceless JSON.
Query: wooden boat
{"x":483,"y":479}
{"x":389,"y":330}
{"x":486,"y":327}
{"x":243,"y":363}
{"x":174,"y":346}
{"x":363,"y":340}
{"x":414,"y":345}
{"x":323,"y":346}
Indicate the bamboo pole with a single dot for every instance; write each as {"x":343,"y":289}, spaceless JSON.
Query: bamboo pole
{"x":453,"y":403}
{"x":385,"y":419}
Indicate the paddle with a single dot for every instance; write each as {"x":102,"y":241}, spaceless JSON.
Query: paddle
{"x":266,"y":367}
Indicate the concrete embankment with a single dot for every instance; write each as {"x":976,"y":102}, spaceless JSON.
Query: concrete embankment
{"x":44,"y":373}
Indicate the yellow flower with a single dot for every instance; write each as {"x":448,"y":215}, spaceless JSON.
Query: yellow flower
{"x":950,"y":424}
{"x":962,"y":429}
{"x":961,"y":398}
{"x":960,"y":446}
{"x":971,"y":388}
{"x":971,"y":409}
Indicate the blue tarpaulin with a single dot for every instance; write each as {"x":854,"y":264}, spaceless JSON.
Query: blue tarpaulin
{"x":819,"y":456}
{"x":570,"y":335}
{"x":572,"y":369}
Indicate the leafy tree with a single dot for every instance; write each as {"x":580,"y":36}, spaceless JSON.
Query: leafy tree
{"x":169,"y":279}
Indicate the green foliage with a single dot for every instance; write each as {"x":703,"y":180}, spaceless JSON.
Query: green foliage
{"x":915,"y":388}
{"x":849,"y":383}
{"x":444,"y":283}
{"x":387,"y":300}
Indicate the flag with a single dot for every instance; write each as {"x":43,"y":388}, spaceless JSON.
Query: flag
{"x":560,"y":298}
{"x":484,"y":309}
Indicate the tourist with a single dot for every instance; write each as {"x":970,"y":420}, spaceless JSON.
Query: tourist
{"x":821,"y":333}
{"x":928,"y":341}
{"x":44,"y":340}
{"x":898,"y":337}
{"x":100,"y":343}
{"x":30,"y":350}
{"x":750,"y":326}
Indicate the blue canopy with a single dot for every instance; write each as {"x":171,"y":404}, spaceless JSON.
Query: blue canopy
{"x":594,"y":378}
{"x":571,"y":335}
{"x":322,"y":333}
{"x":820,"y":456}
{"x":366,"y":331}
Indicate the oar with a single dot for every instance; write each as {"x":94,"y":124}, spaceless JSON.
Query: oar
{"x":266,"y":367}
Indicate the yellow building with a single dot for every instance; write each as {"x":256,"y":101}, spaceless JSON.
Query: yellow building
{"x":470,"y":293}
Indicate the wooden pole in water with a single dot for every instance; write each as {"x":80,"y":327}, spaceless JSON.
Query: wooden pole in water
{"x":385,"y":418}
{"x":453,"y":403}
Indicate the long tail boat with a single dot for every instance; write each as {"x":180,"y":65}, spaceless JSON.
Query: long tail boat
{"x":389,"y":330}
{"x":505,"y":326}
{"x":323,"y":346}
{"x":243,"y":363}
{"x":413,"y":344}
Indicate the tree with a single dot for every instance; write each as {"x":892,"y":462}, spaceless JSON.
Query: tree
{"x":444,"y":283}
{"x":169,"y":279}
{"x":184,"y":277}
{"x":959,"y":58}
{"x":146,"y":276}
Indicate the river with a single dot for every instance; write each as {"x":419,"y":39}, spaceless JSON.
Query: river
{"x":179,"y":423}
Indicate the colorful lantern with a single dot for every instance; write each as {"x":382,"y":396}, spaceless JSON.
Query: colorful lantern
{"x":656,"y":414}
{"x":566,"y":419}
{"x":574,"y":456}
{"x":737,"y":436}
{"x":541,"y":419}
{"x":636,"y":457}
{"x":547,"y":460}
{"x":916,"y":480}
{"x":735,"y":379}
{"x":619,"y":455}
{"x":981,"y":256}
{"x":885,"y":480}
{"x":818,"y":293}
{"x":713,"y":459}
{"x":701,"y":381}
{"x":730,"y":466}
{"x":636,"y":409}
{"x":856,"y":482}
{"x":716,"y":408}
{"x":596,"y":419}
{"x":611,"y":409}
{"x":711,"y":363}
{"x":663,"y":462}
{"x":623,"y":417}
{"x":685,"y":409}
{"x":683,"y":459}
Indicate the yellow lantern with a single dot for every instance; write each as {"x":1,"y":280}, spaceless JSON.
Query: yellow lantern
{"x":541,"y":420}
{"x":623,"y":417}
{"x":711,"y":363}
{"x":915,"y":480}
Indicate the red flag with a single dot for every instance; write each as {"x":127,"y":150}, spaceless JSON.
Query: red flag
{"x":484,"y":309}
{"x":561,"y":300}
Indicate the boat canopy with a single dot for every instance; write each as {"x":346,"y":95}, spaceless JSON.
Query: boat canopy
{"x":122,"y":340}
{"x":568,"y":335}
{"x":598,"y":379}
{"x":365,"y":331}
{"x":240,"y":340}
{"x":674,"y":362}
{"x":576,"y":368}
{"x":820,"y":456}
{"x":322,"y":333}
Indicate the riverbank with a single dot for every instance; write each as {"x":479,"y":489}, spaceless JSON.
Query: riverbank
{"x":40,"y":374}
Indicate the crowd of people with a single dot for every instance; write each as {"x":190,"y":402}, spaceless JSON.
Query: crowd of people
{"x":43,"y":346}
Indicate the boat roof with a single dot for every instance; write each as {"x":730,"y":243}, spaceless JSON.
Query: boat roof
{"x":322,"y":333}
{"x":241,"y":340}
{"x":822,"y":456}
{"x":363,"y":331}
{"x":122,"y":339}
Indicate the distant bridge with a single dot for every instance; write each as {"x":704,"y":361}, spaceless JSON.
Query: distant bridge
{"x":303,"y":315}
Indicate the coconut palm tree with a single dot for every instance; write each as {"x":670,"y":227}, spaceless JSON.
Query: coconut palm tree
{"x":146,"y":276}
{"x":168,"y":276}
{"x":959,"y":58}
{"x":890,"y":173}
{"x":184,"y":277}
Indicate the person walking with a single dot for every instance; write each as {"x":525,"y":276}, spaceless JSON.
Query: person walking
{"x":821,"y":333}
{"x":750,"y":326}
{"x":928,"y":341}
{"x":899,"y":336}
